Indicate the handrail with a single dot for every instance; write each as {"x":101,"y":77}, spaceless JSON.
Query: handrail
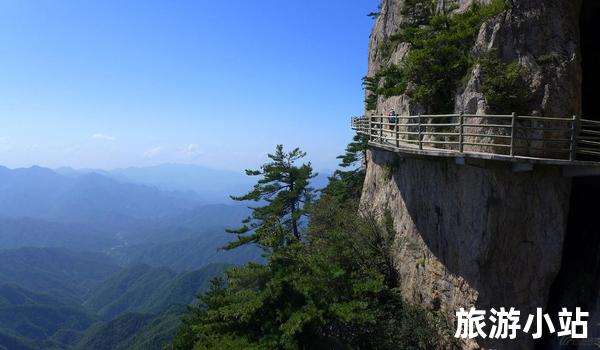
{"x":511,"y":137}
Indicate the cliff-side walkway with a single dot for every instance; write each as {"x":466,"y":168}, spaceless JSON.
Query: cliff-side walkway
{"x":524,"y":140}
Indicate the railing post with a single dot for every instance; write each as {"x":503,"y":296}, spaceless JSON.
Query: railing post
{"x":460,"y":132}
{"x":370,"y":128}
{"x":574,"y":137}
{"x":419,"y":131}
{"x":381,"y":130}
{"x":397,"y":129}
{"x":512,"y":134}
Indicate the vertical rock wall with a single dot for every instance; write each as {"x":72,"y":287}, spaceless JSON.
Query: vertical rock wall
{"x":479,"y":234}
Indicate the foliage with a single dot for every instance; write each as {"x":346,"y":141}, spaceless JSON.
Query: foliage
{"x":355,"y":152}
{"x":346,"y":185}
{"x":63,"y":274}
{"x":115,"y":332}
{"x":39,"y":321}
{"x":371,"y":86}
{"x":143,"y":306}
{"x":187,"y":254}
{"x":388,"y":81}
{"x":503,"y":85}
{"x":134,"y":331}
{"x":157,"y":297}
{"x":439,"y":55}
{"x":375,"y":14}
{"x":284,"y":186}
{"x":549,"y":58}
{"x":335,"y":289}
{"x":387,"y":172}
{"x":418,"y":12}
{"x":149,"y":290}
{"x":12,"y":342}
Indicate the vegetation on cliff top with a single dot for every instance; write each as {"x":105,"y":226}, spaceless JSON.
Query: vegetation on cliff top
{"x":503,"y":85}
{"x":439,"y":57}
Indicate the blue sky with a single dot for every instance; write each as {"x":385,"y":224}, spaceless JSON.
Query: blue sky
{"x":110,"y":84}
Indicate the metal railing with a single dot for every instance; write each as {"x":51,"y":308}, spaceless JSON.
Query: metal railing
{"x":508,"y":137}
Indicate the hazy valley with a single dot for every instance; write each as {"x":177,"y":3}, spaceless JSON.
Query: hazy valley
{"x":108,"y":260}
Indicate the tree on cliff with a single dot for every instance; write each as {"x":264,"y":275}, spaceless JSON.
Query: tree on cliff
{"x":336,"y":288}
{"x":285,"y":189}
{"x":346,"y":184}
{"x":334,"y":291}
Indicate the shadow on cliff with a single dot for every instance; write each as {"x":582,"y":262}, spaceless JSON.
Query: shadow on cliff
{"x":502,"y":232}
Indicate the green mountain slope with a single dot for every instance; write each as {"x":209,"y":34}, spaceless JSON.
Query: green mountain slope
{"x":10,"y":342}
{"x":150,"y":290}
{"x":187,"y":254}
{"x":12,"y":294}
{"x":61,"y":273}
{"x":133,"y":331}
{"x":143,"y":307}
{"x":34,"y":320}
{"x":111,"y":334}
{"x":29,"y":232}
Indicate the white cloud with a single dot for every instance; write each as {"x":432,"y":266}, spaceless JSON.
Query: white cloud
{"x":180,"y":153}
{"x":192,"y":150}
{"x":101,"y":136}
{"x":153,"y":152}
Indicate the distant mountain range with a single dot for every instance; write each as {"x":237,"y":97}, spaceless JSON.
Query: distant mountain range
{"x":133,"y":223}
{"x":93,"y":259}
{"x":90,"y":198}
{"x":30,"y":232}
{"x":209,"y":185}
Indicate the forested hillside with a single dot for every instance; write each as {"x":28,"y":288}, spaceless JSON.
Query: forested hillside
{"x":58,"y":299}
{"x":147,"y":289}
{"x":56,"y":271}
{"x":84,"y":254}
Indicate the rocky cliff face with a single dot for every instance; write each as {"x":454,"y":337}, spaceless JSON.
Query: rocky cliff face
{"x":479,"y":234}
{"x":542,"y":35}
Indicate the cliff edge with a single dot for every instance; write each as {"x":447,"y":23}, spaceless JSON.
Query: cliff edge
{"x":477,"y":234}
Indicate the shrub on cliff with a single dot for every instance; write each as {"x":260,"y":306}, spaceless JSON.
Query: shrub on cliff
{"x":439,"y":55}
{"x":503,"y":85}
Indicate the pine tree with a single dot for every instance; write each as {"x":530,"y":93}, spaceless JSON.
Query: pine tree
{"x":345,"y":185}
{"x":355,"y":152}
{"x":336,"y":288}
{"x":285,"y":189}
